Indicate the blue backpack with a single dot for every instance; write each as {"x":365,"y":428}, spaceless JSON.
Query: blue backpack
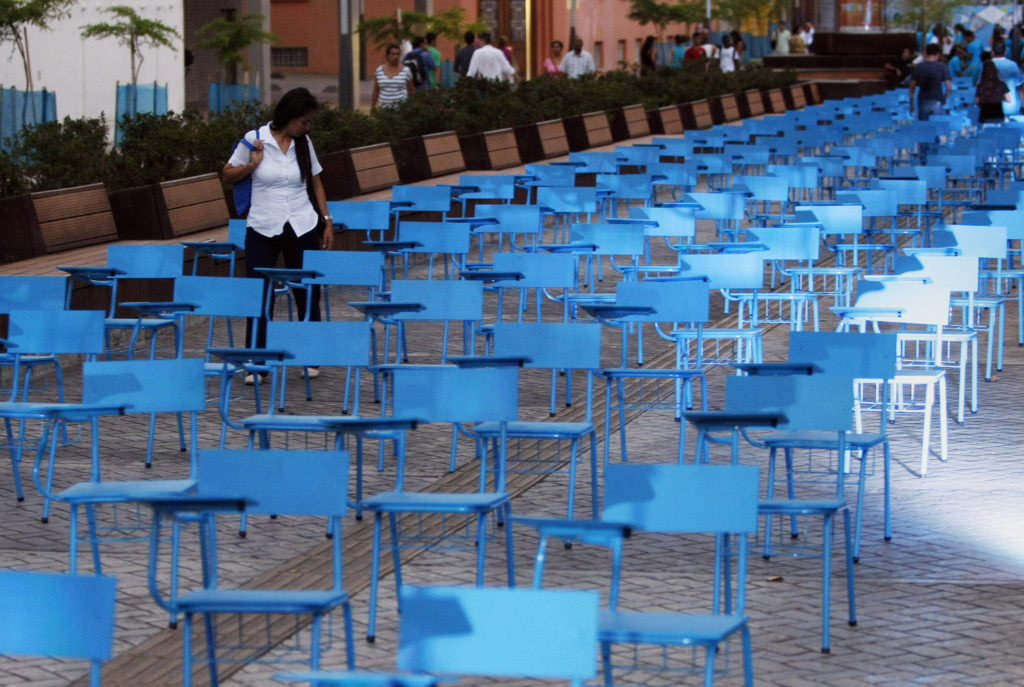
{"x":242,"y":191}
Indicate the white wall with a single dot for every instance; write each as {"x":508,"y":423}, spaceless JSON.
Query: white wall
{"x":83,"y":73}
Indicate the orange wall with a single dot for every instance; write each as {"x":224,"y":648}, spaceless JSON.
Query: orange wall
{"x":314,"y":24}
{"x":309,"y":23}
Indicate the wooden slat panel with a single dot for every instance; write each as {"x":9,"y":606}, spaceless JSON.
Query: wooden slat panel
{"x":702,"y":114}
{"x":799,"y":100}
{"x":671,"y":120}
{"x":372,"y":156}
{"x":755,"y":103}
{"x":377,"y":178}
{"x":730,"y":108}
{"x":502,"y":149}
{"x":552,"y":138}
{"x":778,"y":101}
{"x":192,"y":218}
{"x":598,"y":131}
{"x":73,"y":232}
{"x":193,"y":193}
{"x":815,"y":93}
{"x":437,"y":144}
{"x":51,"y":205}
{"x":446,"y":163}
{"x":636,"y":121}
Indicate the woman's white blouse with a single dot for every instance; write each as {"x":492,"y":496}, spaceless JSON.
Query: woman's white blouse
{"x":278,"y":193}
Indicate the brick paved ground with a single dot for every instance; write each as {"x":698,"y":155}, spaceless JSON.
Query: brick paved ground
{"x":942,"y":604}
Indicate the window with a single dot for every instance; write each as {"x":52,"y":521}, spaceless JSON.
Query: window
{"x":598,"y":59}
{"x":289,"y":57}
{"x":621,"y":55}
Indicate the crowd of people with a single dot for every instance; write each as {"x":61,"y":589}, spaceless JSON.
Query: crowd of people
{"x":992,"y":67}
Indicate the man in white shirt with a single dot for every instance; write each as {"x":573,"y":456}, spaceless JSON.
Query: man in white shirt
{"x":488,"y":62}
{"x":578,"y":62}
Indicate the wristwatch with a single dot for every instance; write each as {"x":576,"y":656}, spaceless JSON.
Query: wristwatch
{"x":326,"y":218}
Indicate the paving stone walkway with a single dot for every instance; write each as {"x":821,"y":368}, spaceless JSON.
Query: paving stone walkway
{"x":941,"y":604}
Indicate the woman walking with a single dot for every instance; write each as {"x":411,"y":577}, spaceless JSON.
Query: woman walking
{"x":392,"y":81}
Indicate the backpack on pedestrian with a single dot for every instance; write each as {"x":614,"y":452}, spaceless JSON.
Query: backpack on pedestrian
{"x":415,"y":65}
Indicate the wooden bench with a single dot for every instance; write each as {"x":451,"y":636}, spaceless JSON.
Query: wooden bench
{"x":631,"y":123}
{"x":697,"y":115}
{"x":753,"y":102}
{"x":812,"y":93}
{"x":444,"y":155}
{"x":668,"y":119}
{"x":70,"y":218}
{"x":730,"y":107}
{"x":193,"y":204}
{"x":373,"y":167}
{"x":774,"y":101}
{"x":589,"y":130}
{"x":502,"y":150}
{"x":553,"y":140}
{"x":794,"y":97}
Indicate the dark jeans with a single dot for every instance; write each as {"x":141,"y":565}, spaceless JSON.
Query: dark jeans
{"x":927,"y":108}
{"x":261,"y":251}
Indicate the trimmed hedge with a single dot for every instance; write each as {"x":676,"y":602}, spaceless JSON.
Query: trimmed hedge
{"x":155,"y":148}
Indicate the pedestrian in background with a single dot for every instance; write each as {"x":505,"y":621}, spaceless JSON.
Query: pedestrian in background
{"x":392,"y":83}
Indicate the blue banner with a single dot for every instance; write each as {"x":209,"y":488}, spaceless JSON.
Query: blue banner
{"x":20,"y":108}
{"x":223,"y":94}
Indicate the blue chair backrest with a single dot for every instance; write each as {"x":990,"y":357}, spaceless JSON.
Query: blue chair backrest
{"x":644,"y":155}
{"x":342,"y":344}
{"x":629,"y":186}
{"x":837,"y":218}
{"x":682,"y":498}
{"x":920,"y":301}
{"x":673,"y":300}
{"x":765,"y":187}
{"x":280,"y":482}
{"x":444,"y":300}
{"x":495,"y":186}
{"x":57,"y":331}
{"x":908,"y":191}
{"x":550,"y":345}
{"x":979,"y":241}
{"x":344,"y":267}
{"x":552,"y":175}
{"x":423,"y":198}
{"x":146,"y":386}
{"x":595,"y":162}
{"x":809,"y":402}
{"x":221,"y":296}
{"x":876,"y":202}
{"x":32,"y":293}
{"x":62,"y":616}
{"x":609,"y":239}
{"x":360,"y":214}
{"x":444,"y":393}
{"x":787,"y":242}
{"x":148,"y":261}
{"x":678,"y":222}
{"x":1013,"y":220}
{"x":436,"y":237}
{"x":722,"y":205}
{"x":846,"y":354}
{"x":548,"y":270}
{"x":953,"y":272}
{"x":512,"y":219}
{"x":499,"y":632}
{"x":568,"y":198}
{"x":726,"y":270}
{"x":236,"y":232}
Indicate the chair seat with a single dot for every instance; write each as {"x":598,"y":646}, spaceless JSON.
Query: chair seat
{"x":800,"y":506}
{"x":527,"y":430}
{"x":667,"y":628}
{"x":432,"y":502}
{"x":260,"y":600}
{"x":824,"y":439}
{"x":144,"y":323}
{"x":119,"y":492}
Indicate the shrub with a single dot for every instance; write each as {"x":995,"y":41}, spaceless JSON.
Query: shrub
{"x":51,"y":155}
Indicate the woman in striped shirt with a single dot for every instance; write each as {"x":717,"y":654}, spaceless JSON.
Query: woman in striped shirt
{"x":393,"y":82}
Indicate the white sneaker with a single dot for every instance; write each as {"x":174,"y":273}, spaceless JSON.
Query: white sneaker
{"x":313,"y":372}
{"x":250,"y":379}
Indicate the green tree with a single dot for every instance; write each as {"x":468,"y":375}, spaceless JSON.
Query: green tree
{"x":448,"y":23}
{"x":229,"y":38}
{"x":754,"y":15}
{"x":135,"y":31}
{"x":922,"y":14}
{"x":17,"y":15}
{"x":661,"y":14}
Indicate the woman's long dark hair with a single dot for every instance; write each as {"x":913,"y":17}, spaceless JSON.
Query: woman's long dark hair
{"x":294,"y":104}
